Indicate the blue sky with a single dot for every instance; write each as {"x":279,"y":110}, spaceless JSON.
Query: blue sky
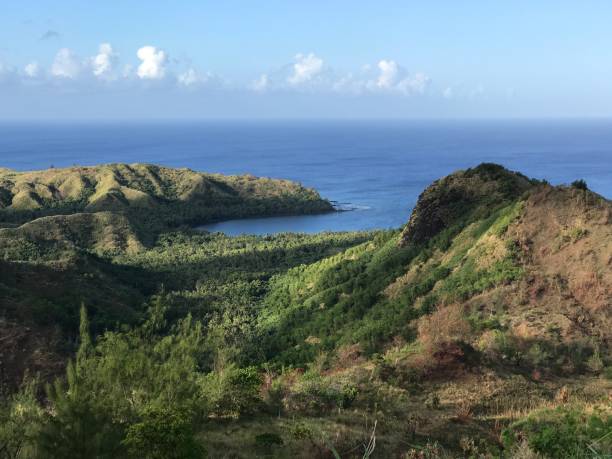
{"x":270,"y":59}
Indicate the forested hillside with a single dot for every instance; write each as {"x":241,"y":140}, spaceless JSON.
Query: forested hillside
{"x":482,"y":327}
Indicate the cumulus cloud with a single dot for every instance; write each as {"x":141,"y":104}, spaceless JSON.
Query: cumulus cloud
{"x":351,"y":84}
{"x":189,"y":78}
{"x":261,"y":83}
{"x":416,"y":84}
{"x":305,"y":68}
{"x":307,"y":72}
{"x":153,"y":65}
{"x":388,"y":74}
{"x":32,"y":70}
{"x":66,"y":64}
{"x":103,"y":62}
{"x":393,"y":78}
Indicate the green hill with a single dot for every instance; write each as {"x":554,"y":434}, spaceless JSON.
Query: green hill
{"x":151,"y":196}
{"x":515,"y":256}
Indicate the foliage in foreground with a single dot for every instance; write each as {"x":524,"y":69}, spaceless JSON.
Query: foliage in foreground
{"x":563,"y":432}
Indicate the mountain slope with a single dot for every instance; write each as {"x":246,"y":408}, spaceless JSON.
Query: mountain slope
{"x":100,"y":232}
{"x":520,"y":259}
{"x":150,"y":195}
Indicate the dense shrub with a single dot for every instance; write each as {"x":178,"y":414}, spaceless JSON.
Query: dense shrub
{"x":232,"y":392}
{"x":580,"y":184}
{"x":564,"y":432}
{"x":316,"y":394}
{"x":267,"y":441}
{"x":163,"y":434}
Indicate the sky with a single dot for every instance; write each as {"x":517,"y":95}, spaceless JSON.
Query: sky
{"x":191,"y":59}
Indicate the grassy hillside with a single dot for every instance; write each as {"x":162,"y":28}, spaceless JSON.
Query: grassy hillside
{"x":150,"y":196}
{"x":481,"y":328}
{"x":519,"y":259}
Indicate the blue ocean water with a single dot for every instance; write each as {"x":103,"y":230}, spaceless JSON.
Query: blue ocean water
{"x":377,"y":167}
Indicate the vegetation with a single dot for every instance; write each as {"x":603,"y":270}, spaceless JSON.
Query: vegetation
{"x":480,"y":329}
{"x":152,"y":197}
{"x":564,"y":432}
{"x":580,"y":184}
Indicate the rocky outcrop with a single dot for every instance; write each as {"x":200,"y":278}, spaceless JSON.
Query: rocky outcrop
{"x":459,"y":196}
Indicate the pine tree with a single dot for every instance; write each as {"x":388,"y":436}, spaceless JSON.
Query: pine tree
{"x":85,"y":343}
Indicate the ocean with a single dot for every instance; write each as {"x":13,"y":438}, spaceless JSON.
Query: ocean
{"x":377,"y":168}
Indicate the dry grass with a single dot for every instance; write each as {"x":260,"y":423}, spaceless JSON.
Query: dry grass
{"x":447,"y":324}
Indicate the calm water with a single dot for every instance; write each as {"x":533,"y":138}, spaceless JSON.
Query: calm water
{"x":377,"y":167}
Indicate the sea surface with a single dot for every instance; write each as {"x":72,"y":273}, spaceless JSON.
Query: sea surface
{"x":377,"y":168}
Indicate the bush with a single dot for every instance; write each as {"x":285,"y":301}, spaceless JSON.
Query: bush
{"x":163,"y":434}
{"x":497,"y":344}
{"x":267,"y":441}
{"x":233,"y":392}
{"x":445,"y":325}
{"x":537,"y":355}
{"x":580,"y":184}
{"x":563,"y":432}
{"x":315,"y":394}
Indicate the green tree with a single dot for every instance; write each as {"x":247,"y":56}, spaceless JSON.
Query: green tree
{"x":20,"y":419}
{"x":163,"y":433}
{"x":78,"y":427}
{"x":85,"y":343}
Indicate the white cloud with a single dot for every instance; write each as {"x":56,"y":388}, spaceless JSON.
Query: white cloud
{"x":389,"y":71}
{"x":306,"y":73}
{"x":414,"y":85}
{"x":393,"y":78}
{"x":189,"y":78}
{"x":192,"y":78}
{"x":153,"y":65}
{"x":261,"y":83}
{"x":305,"y":68}
{"x":32,"y":70}
{"x":103,"y":62}
{"x":66,"y":64}
{"x":448,"y":93}
{"x":350,"y":84}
